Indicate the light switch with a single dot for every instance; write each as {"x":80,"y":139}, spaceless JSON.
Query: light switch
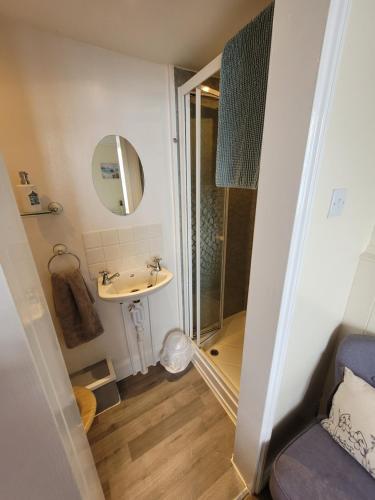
{"x":337,"y":202}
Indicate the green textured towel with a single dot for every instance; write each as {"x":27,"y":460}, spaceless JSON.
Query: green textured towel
{"x":243,"y":88}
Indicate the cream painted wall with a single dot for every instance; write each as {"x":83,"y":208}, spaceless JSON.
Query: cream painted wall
{"x":58,"y":99}
{"x":334,"y":244}
{"x":359,"y":314}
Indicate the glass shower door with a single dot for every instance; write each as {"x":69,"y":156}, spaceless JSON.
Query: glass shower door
{"x":212,"y":211}
{"x":207,"y":215}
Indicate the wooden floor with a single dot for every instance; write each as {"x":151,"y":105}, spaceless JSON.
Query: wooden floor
{"x":166,"y":440}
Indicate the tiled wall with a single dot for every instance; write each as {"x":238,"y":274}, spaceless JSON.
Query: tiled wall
{"x":240,"y":229}
{"x":116,"y":250}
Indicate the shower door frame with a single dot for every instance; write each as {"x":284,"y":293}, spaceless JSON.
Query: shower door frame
{"x":185,"y":184}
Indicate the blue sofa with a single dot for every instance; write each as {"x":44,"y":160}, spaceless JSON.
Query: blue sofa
{"x":313,"y":466}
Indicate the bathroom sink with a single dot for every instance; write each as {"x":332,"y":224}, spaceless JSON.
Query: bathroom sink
{"x":133,"y":285}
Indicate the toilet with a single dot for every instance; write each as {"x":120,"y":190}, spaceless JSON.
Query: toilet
{"x":86,"y":402}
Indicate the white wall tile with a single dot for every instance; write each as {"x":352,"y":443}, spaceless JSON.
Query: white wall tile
{"x":155,"y":231}
{"x":129,"y":263}
{"x":92,"y":239}
{"x":128,"y":250}
{"x":94,"y":255}
{"x":156,"y":247}
{"x":138,"y":245}
{"x":94,"y":269}
{"x":140,"y":232}
{"x":112,"y":252}
{"x":141,"y":260}
{"x":114,"y":266}
{"x":125,"y":235}
{"x":142,"y":247}
{"x":109,"y":237}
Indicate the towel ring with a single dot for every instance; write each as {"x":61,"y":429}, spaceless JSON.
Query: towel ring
{"x":61,"y":249}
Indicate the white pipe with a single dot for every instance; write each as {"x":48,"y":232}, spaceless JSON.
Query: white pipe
{"x":136,"y":312}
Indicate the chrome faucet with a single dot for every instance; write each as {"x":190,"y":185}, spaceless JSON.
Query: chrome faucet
{"x":155,"y":267}
{"x":107,"y":279}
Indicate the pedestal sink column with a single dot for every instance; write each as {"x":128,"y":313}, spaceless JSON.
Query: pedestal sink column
{"x":131,"y":289}
{"x":137,"y":315}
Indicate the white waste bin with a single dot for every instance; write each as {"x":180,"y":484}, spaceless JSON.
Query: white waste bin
{"x":177,"y":352}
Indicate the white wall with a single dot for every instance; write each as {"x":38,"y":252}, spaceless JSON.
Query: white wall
{"x":59,"y":98}
{"x":334,"y":244}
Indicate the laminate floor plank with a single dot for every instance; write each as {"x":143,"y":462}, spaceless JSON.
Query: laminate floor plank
{"x":227,"y":486}
{"x":129,"y":430}
{"x":135,"y":406}
{"x":167,"y":440}
{"x":175,"y":459}
{"x":153,"y":435}
{"x":174,"y":452}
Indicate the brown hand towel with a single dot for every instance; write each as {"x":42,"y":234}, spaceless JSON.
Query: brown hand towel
{"x":74,"y":308}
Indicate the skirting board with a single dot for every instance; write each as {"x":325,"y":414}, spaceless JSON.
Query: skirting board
{"x":224,"y":394}
{"x":245,"y":491}
{"x":243,"y":494}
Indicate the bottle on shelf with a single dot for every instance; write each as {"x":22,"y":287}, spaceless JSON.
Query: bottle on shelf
{"x":27,"y":195}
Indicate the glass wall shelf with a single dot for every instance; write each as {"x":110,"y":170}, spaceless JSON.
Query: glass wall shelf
{"x":53,"y":208}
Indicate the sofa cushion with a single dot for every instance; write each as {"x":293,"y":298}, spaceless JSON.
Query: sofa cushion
{"x":314,"y":467}
{"x":351,"y":421}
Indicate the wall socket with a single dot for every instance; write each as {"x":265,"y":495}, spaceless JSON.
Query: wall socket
{"x":337,"y":204}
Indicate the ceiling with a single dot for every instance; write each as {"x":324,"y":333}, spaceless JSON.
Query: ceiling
{"x":187,"y":33}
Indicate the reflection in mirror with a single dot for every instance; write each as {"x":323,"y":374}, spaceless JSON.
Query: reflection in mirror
{"x":117,"y":175}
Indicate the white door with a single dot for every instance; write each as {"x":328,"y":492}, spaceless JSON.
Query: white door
{"x":46,"y":449}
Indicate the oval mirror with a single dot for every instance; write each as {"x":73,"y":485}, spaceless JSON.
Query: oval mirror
{"x":117,"y":175}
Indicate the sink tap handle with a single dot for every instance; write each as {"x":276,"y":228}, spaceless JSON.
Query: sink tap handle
{"x":107,"y":278}
{"x":105,"y":275}
{"x":155,"y":267}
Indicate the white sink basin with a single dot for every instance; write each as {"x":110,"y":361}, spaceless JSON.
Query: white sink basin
{"x":133,"y":285}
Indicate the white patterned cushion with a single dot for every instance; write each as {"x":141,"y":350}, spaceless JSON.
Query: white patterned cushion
{"x":351,"y":420}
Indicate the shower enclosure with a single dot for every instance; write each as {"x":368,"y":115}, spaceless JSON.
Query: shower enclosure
{"x":204,"y":208}
{"x":217,"y":223}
